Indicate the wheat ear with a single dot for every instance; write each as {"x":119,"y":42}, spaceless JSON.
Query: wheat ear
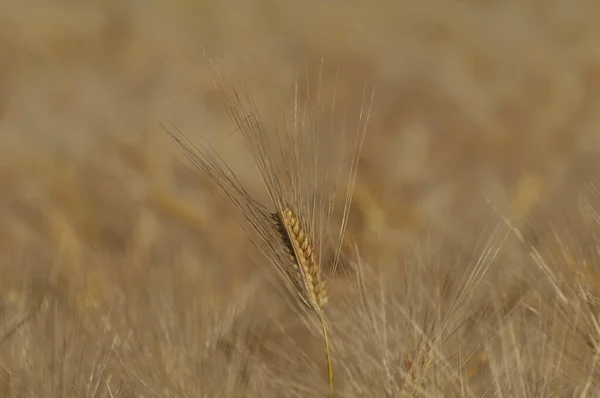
{"x":308,"y":269}
{"x":296,"y":167}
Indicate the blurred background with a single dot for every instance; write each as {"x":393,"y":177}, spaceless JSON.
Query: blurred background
{"x":474,"y":100}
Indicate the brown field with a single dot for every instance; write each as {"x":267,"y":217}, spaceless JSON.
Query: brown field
{"x":472,"y":251}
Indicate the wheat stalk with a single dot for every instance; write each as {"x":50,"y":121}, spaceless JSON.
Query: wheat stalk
{"x":307,"y":269}
{"x":295,"y":165}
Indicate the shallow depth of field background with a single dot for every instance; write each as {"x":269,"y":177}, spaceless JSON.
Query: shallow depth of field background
{"x":474,"y":101}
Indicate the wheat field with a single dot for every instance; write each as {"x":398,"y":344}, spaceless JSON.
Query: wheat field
{"x":469,"y":262}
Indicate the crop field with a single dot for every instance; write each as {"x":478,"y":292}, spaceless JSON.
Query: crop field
{"x":439,"y":168}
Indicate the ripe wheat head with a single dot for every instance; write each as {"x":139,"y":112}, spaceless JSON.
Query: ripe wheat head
{"x":301,"y":167}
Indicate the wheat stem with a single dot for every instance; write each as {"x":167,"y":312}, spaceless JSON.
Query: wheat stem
{"x":327,"y":355}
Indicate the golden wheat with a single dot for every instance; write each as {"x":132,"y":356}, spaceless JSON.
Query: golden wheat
{"x":302,"y":254}
{"x":308,"y":269}
{"x":296,"y":167}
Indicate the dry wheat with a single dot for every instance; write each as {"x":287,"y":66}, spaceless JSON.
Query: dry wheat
{"x":301,"y":167}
